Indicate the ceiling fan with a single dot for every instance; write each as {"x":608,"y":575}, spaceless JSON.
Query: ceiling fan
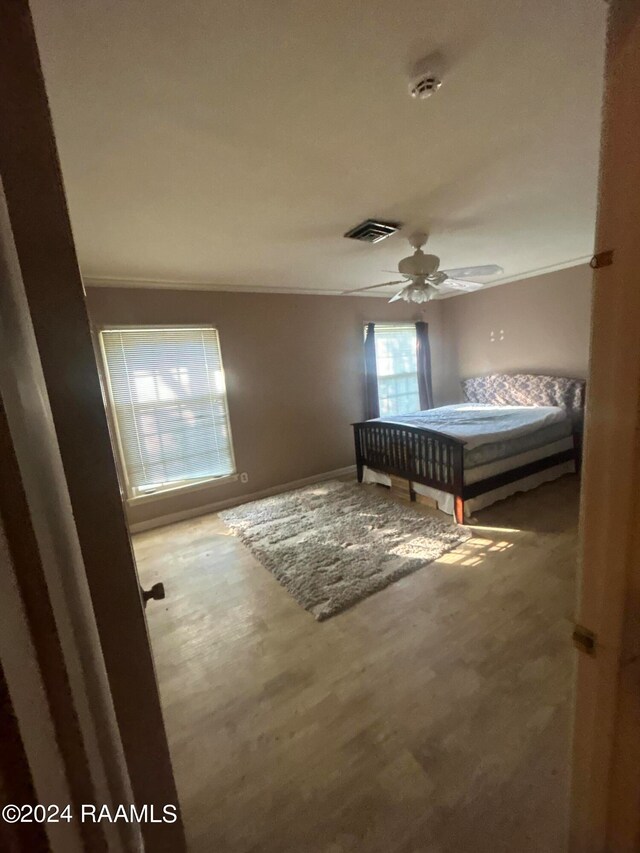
{"x":423,"y":280}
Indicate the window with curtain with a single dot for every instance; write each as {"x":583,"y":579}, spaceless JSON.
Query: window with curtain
{"x":167,"y":394}
{"x":397,"y":368}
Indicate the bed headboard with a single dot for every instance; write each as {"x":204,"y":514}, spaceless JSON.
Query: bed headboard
{"x":527,"y":389}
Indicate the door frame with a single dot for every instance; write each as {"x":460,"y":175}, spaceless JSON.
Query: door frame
{"x":605,"y":813}
{"x":46,"y":280}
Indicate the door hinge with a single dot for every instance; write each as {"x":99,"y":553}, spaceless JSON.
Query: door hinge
{"x":601,"y":259}
{"x":584,"y":640}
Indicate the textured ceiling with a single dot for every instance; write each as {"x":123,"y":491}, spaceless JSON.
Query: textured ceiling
{"x":232,"y":143}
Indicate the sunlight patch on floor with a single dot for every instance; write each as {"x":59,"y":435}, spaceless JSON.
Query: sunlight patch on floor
{"x":474,"y":552}
{"x":490,"y":529}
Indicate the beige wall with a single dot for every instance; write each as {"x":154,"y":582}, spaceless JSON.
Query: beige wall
{"x":293,"y":366}
{"x":540,"y":324}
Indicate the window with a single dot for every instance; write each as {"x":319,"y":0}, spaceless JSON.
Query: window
{"x":167,"y":393}
{"x":397,"y":369}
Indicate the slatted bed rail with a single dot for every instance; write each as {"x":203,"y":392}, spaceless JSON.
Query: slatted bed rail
{"x":437,"y":460}
{"x":416,"y":454}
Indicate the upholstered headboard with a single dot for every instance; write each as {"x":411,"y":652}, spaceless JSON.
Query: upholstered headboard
{"x":527,"y":389}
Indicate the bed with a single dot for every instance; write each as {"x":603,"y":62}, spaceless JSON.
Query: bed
{"x":512,"y":433}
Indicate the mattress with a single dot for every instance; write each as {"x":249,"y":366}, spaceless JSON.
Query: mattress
{"x":508,"y":463}
{"x":478,"y":424}
{"x":494,"y":451}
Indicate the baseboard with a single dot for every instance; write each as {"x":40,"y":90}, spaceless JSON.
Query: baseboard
{"x":194,"y":512}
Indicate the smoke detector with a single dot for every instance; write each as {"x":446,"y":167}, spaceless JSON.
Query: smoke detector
{"x":424,"y":85}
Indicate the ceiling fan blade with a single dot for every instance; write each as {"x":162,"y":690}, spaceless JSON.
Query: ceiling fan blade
{"x":372,"y":286}
{"x":474,"y":272}
{"x":398,"y":295}
{"x":457,"y":284}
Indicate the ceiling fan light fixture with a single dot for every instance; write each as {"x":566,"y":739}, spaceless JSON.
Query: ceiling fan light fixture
{"x":418,"y":293}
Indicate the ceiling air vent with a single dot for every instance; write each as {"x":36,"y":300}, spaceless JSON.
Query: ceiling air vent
{"x":372,"y":230}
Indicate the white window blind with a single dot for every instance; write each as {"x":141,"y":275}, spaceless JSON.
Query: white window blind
{"x":397,"y":368}
{"x":167,"y":392}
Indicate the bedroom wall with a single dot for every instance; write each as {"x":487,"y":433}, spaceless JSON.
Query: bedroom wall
{"x":539,"y":325}
{"x":293,"y":366}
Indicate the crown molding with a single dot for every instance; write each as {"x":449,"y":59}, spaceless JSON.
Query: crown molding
{"x":181,"y":284}
{"x":562,"y":265}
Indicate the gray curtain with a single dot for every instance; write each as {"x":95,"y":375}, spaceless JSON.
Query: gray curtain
{"x":423,"y":356}
{"x":372,"y":402}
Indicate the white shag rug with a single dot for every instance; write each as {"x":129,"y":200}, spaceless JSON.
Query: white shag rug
{"x":333,"y":544}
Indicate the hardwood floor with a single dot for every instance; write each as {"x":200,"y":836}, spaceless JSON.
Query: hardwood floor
{"x":433,"y":716}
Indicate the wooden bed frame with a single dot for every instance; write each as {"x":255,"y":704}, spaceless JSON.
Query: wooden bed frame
{"x":437,"y":460}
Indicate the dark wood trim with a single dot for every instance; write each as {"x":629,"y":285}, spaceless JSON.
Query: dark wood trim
{"x":54,"y":294}
{"x":16,"y":784}
{"x":25,"y":554}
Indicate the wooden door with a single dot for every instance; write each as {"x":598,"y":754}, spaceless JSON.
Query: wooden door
{"x":606,"y":766}
{"x":52,"y":288}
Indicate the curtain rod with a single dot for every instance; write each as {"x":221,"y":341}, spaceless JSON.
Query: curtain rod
{"x":396,"y":322}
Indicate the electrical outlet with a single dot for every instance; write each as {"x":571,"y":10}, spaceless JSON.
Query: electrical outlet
{"x":244,"y":478}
